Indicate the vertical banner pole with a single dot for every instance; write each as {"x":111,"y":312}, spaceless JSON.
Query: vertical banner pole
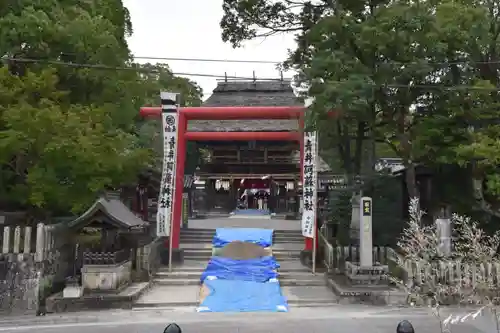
{"x":316,"y":186}
{"x":170,"y":247}
{"x":309,"y":190}
{"x":170,"y":122}
{"x":314,"y":248}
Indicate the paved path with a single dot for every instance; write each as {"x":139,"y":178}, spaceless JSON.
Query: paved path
{"x":340,"y":319}
{"x":162,"y":296}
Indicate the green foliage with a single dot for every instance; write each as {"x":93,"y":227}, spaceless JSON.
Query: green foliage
{"x":386,"y":192}
{"x":413,"y":75}
{"x":61,"y":154}
{"x":339,"y":214}
{"x":69,"y":132}
{"x":160,"y":78}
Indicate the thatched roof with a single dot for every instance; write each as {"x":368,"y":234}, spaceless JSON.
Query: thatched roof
{"x":249,"y":93}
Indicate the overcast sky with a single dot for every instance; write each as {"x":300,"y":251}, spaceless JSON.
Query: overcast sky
{"x":190,"y":29}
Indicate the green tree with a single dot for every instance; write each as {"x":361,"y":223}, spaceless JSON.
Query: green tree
{"x":68,"y":118}
{"x":158,"y":78}
{"x":386,"y":66}
{"x":59,"y":155}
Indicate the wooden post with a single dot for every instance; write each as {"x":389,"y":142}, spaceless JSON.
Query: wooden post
{"x":17,"y":239}
{"x":40,"y":242}
{"x":6,"y":240}
{"x":27,"y":240}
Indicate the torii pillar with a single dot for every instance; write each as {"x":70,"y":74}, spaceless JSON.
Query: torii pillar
{"x":225,"y":113}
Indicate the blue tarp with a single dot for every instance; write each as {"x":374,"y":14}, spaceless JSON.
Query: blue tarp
{"x":243,"y":296}
{"x":262,"y":237}
{"x":258,"y":270}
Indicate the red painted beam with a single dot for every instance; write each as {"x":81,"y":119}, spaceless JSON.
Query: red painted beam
{"x":231,"y":112}
{"x":243,"y":136}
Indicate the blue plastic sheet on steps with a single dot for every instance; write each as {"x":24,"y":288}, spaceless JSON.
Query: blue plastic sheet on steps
{"x":262,"y":237}
{"x":260,"y":269}
{"x":243,"y":296}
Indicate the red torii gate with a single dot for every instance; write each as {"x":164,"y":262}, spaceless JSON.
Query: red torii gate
{"x":225,"y":113}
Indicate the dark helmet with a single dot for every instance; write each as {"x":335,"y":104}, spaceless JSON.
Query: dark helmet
{"x":172,"y":328}
{"x":405,"y":327}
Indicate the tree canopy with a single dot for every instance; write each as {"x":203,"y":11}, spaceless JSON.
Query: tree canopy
{"x":69,"y":99}
{"x":418,"y":76}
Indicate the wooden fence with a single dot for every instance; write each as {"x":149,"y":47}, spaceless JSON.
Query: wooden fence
{"x":335,"y":257}
{"x":26,"y":242}
{"x":452,"y":273}
{"x":444,"y":272}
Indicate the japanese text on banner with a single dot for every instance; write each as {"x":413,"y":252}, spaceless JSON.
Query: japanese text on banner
{"x":165,"y":200}
{"x":309,"y":183}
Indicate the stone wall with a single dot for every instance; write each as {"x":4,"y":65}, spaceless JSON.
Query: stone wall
{"x":30,"y":266}
{"x":19,"y":284}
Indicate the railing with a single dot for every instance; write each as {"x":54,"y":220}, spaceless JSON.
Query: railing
{"x":335,"y":257}
{"x":280,"y":159}
{"x":148,"y":259}
{"x":328,"y":250}
{"x":105,"y":258}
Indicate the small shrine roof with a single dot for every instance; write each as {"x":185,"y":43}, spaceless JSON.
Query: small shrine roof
{"x":249,"y":93}
{"x":118,"y":214}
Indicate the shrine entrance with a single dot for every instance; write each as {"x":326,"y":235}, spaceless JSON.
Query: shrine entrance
{"x":175,"y":133}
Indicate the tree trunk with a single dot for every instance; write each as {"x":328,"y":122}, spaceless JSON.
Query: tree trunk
{"x":344,"y":147}
{"x":411,"y":183}
{"x":358,"y":152}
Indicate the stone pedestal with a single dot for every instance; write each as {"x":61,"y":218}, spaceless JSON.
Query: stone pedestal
{"x":72,"y":291}
{"x":72,"y":288}
{"x":358,"y":275}
{"x":106,"y":278}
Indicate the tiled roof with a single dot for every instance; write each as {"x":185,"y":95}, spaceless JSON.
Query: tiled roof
{"x":119,"y":215}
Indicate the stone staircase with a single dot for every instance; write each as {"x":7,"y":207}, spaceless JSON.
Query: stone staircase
{"x":197,"y":244}
{"x":180,"y":287}
{"x":190,"y":276}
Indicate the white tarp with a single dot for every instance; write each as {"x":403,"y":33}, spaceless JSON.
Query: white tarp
{"x":309,"y":183}
{"x":170,"y":121}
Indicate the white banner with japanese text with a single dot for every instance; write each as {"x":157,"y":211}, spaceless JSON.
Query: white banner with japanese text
{"x":309,"y":183}
{"x":170,"y":120}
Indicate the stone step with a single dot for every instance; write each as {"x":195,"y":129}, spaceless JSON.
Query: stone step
{"x":176,"y":281}
{"x":196,"y":281}
{"x":211,"y":232}
{"x":192,"y":305}
{"x":200,"y":254}
{"x":209,"y":238}
{"x":187,"y":296}
{"x":199,"y":265}
{"x":196,"y":273}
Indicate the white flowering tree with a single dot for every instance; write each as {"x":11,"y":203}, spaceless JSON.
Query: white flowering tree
{"x":470,"y":274}
{"x":466,"y":275}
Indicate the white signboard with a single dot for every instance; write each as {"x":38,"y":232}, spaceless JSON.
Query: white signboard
{"x":309,"y":183}
{"x":170,"y":121}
